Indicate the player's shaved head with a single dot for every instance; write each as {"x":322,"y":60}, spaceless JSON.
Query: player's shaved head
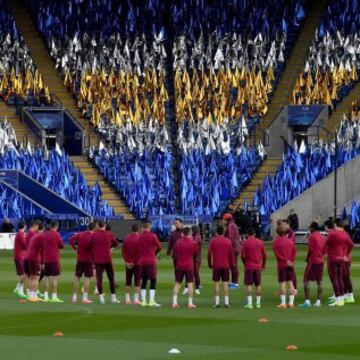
{"x":21,"y":225}
{"x":101,"y":224}
{"x":186,"y":231}
{"x":195,"y":229}
{"x":54,"y":225}
{"x":220,"y":230}
{"x":339,"y":223}
{"x":92,"y":226}
{"x":314,"y":226}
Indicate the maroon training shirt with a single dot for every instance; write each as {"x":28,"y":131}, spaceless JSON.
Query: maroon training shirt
{"x":174,"y":237}
{"x":20,"y":246}
{"x":28,"y":236}
{"x":149,"y":246}
{"x":339,"y":245}
{"x":130,"y":249}
{"x":232,"y":233}
{"x":316,"y":248}
{"x":34,"y":250}
{"x":253,"y":254}
{"x":198,"y":242}
{"x":81,"y":242}
{"x":220,"y":253}
{"x":284,"y":250}
{"x":184,"y":252}
{"x":101,"y":244}
{"x":52,"y":243}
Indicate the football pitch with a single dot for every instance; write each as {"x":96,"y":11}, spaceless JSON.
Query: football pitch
{"x":133,"y":333}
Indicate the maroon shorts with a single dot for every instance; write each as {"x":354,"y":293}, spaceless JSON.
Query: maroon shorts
{"x":313,"y":272}
{"x":252,"y":277}
{"x":148,"y":272}
{"x":32,"y":267}
{"x":84,"y":268}
{"x":133,"y":273}
{"x":20,"y":267}
{"x":221,"y":274}
{"x":286,"y":274}
{"x":52,"y":269}
{"x":181,"y":274}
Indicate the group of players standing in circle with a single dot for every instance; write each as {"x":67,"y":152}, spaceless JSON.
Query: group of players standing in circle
{"x":37,"y":256}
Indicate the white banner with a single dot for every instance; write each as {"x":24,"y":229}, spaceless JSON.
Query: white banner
{"x":7,"y":241}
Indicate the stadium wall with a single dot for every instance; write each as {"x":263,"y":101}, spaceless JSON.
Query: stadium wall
{"x":319,"y":199}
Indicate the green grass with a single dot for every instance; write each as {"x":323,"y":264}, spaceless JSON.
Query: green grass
{"x":123,"y":332}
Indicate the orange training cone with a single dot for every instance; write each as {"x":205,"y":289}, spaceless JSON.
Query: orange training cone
{"x":263,"y":320}
{"x":292,"y":348}
{"x":58,"y":333}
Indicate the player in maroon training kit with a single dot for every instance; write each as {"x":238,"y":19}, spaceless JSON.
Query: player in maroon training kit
{"x":32,"y":231}
{"x":33,"y":262}
{"x":52,"y":243}
{"x":185,"y":250}
{"x":81,"y":242}
{"x":285,"y":253}
{"x":339,"y":246}
{"x":315,"y":264}
{"x":101,"y":245}
{"x":232,"y":233}
{"x":149,"y":247}
{"x":197,"y":259}
{"x":348,"y":287}
{"x":221,"y":260}
{"x":19,"y":259}
{"x":253,"y":255}
{"x":174,"y":237}
{"x":130,"y":254}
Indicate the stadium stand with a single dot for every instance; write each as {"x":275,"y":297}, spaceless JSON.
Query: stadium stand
{"x":21,"y":83}
{"x":331,"y":69}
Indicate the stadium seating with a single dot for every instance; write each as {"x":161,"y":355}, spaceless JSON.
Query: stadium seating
{"x":300,"y":169}
{"x":20,"y":84}
{"x":124,"y":73}
{"x":52,"y":169}
{"x":13,"y":205}
{"x":333,"y":62}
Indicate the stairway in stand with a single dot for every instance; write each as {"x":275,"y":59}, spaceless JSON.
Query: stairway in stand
{"x":269,"y":166}
{"x":46,"y":65}
{"x":342,"y":108}
{"x":109,"y":194}
{"x":23,"y":133}
{"x":295,"y":63}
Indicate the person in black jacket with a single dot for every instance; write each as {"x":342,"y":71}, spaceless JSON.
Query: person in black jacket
{"x":294,"y":220}
{"x":7,"y":226}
